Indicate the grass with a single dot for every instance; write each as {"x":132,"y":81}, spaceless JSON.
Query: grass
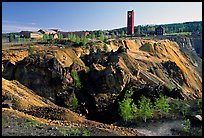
{"x":29,"y":122}
{"x":26,"y":123}
{"x":73,"y":132}
{"x":4,"y":121}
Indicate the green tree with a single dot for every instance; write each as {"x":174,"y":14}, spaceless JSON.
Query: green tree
{"x":19,"y":40}
{"x":11,"y":37}
{"x":74,"y":104}
{"x":123,"y":34}
{"x":30,"y":50}
{"x":199,"y":104}
{"x":93,"y":35}
{"x":24,"y":39}
{"x":180,"y":106}
{"x":127,"y":108}
{"x":73,"y":38}
{"x":45,"y":37}
{"x":162,"y":105}
{"x":113,"y":36}
{"x":77,"y":39}
{"x":105,"y":48}
{"x":60,"y":36}
{"x":84,"y":40}
{"x":138,"y":30}
{"x":102,"y":37}
{"x":77,"y":82}
{"x":51,"y":36}
{"x":69,"y":36}
{"x":145,"y":110}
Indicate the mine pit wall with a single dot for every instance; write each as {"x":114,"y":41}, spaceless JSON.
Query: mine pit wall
{"x":196,"y":42}
{"x":191,"y":46}
{"x":59,"y":84}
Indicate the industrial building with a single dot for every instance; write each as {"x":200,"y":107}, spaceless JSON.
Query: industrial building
{"x":130,"y":22}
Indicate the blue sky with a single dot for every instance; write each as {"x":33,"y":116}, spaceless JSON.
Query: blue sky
{"x":77,"y":16}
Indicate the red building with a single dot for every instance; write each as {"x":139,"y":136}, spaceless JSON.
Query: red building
{"x":130,"y":23}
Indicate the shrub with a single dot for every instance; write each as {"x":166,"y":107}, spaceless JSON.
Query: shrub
{"x":74,"y":104}
{"x":145,"y":110}
{"x":77,"y":82}
{"x":105,"y":48}
{"x":30,"y":50}
{"x":74,"y":132}
{"x":85,"y":46}
{"x":199,"y":104}
{"x":124,"y":49}
{"x":180,"y":106}
{"x":128,"y":93}
{"x":161,"y":105}
{"x":127,"y":108}
{"x":186,"y":127}
{"x":85,"y":133}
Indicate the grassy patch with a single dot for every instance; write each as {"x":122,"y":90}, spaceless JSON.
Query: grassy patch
{"x":74,"y":132}
{"x":4,"y":121}
{"x":181,"y":33}
{"x":29,"y":122}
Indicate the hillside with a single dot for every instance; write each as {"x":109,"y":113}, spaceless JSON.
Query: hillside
{"x":41,"y":82}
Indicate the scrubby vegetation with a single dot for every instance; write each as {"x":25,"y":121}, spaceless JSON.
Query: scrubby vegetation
{"x":162,"y":106}
{"x":74,"y":132}
{"x":77,"y":82}
{"x":127,"y":107}
{"x":147,"y":109}
{"x":74,"y":104}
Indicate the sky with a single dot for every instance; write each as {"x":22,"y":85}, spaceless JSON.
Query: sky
{"x":79,"y":16}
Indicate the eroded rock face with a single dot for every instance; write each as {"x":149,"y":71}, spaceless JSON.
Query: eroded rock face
{"x":9,"y":69}
{"x":174,"y":72}
{"x":45,"y":76}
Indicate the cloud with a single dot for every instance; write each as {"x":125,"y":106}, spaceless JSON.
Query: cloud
{"x":6,"y":28}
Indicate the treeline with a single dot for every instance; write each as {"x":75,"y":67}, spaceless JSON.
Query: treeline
{"x":140,"y":29}
{"x":169,"y":28}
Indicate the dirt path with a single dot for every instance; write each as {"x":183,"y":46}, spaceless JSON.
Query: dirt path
{"x":161,"y":128}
